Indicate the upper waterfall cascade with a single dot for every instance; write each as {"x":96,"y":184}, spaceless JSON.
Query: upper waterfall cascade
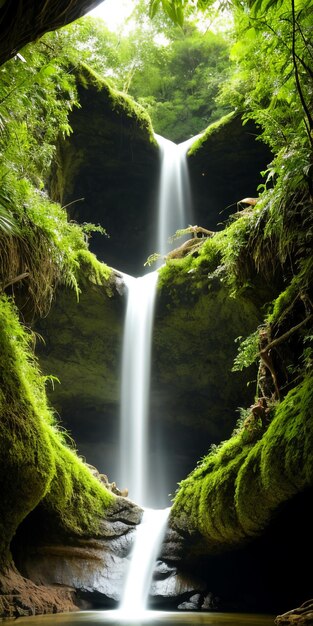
{"x":175,"y":205}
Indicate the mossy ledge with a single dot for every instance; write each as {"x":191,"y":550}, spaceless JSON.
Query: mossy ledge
{"x":37,"y":463}
{"x":120,"y":102}
{"x":233,"y":493}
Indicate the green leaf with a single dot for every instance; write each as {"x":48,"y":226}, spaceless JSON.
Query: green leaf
{"x":174,"y":9}
{"x":8,"y":225}
{"x":263,"y":5}
{"x":153,"y":8}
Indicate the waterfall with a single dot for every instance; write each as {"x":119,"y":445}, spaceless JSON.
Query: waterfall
{"x":174,"y":213}
{"x":175,"y":207}
{"x":136,"y":385}
{"x":148,"y":541}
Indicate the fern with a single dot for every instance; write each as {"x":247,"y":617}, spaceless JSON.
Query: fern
{"x":248,"y":352}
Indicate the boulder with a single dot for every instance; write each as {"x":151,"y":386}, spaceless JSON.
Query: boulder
{"x":92,"y":567}
{"x":106,"y":172}
{"x":224,"y":167}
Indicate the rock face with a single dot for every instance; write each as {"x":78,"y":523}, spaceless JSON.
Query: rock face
{"x":225,"y":169}
{"x":107,"y":173}
{"x":68,"y":573}
{"x":173,"y":587}
{"x":82,"y":348}
{"x":92,"y":567}
{"x":194,"y":394}
{"x":26,"y":21}
{"x":19,"y":596}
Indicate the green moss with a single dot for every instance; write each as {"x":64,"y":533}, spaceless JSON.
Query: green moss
{"x":280,"y":464}
{"x":207,"y":495}
{"x":222,"y":255}
{"x":94,"y":272}
{"x":26,"y":455}
{"x":47,"y":248}
{"x":75,"y":497}
{"x":210,"y":130}
{"x":120,"y":102}
{"x":35,"y":462}
{"x":174,"y":272}
{"x":299,"y":283}
{"x":235,"y":491}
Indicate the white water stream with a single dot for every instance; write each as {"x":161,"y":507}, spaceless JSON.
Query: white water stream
{"x":136,"y":473}
{"x":149,"y":536}
{"x":175,"y":206}
{"x":136,"y":364}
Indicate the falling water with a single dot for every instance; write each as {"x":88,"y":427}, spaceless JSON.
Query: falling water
{"x":175,"y":207}
{"x":173,"y":214}
{"x":136,"y":385}
{"x":148,"y":541}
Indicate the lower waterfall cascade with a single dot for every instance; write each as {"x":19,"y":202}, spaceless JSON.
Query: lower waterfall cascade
{"x":148,"y":540}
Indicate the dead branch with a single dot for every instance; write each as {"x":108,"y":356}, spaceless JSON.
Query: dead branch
{"x":16,"y":279}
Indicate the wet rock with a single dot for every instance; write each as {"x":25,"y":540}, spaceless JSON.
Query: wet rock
{"x":94,"y":567}
{"x":173,"y":547}
{"x":192,"y":604}
{"x":169,"y":582}
{"x":210,"y":602}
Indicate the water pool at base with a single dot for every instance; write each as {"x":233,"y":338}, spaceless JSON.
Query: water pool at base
{"x":151,"y":618}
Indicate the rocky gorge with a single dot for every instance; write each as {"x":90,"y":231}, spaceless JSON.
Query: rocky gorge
{"x":239,"y":523}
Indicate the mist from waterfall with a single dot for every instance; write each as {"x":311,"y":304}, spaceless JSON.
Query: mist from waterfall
{"x":137,"y":474}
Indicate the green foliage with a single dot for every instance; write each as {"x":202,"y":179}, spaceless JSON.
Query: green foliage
{"x":8,"y":225}
{"x":152,"y":258}
{"x":176,"y":9}
{"x":235,"y":491}
{"x":45,"y":250}
{"x":179,"y":91}
{"x":40,"y":248}
{"x":36,"y":94}
{"x":248,"y":351}
{"x":173,"y":8}
{"x":173,"y":72}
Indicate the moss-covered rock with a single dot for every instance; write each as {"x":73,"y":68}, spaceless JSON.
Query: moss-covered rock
{"x":236,"y":490}
{"x":35,"y":461}
{"x":224,"y":167}
{"x":106,"y":172}
{"x":81,"y":347}
{"x":58,"y":518}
